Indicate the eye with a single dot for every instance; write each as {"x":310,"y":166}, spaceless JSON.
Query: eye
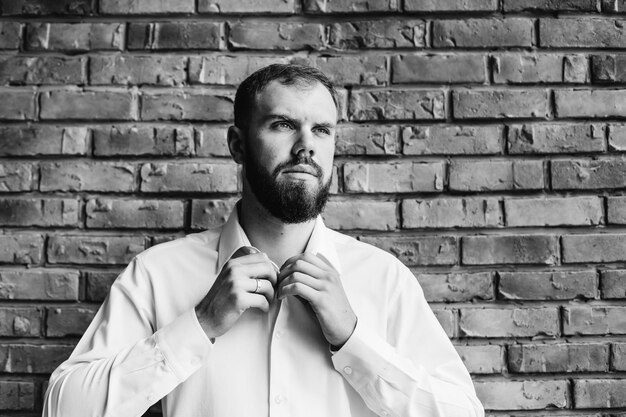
{"x":322,"y":130}
{"x":282,"y":126}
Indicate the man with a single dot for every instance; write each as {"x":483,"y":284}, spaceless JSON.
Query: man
{"x":213,"y":326}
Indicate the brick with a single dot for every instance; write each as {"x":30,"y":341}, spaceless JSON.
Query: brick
{"x":618,"y":356}
{"x":75,"y":36}
{"x":516,"y":68}
{"x":146,"y":6}
{"x":361,"y":214}
{"x":198,"y":177}
{"x":175,"y":35}
{"x":582,"y":32}
{"x":43,"y":140}
{"x":157,"y":240}
{"x":418,"y":250}
{"x":616,"y":213}
{"x":599,"y":393}
{"x":134,"y":214}
{"x":48,"y":212}
{"x":21,"y":248}
{"x":88,"y":105}
{"x":350,"y":70}
{"x":17,"y":105}
{"x":32,"y":359}
{"x":361,"y":177}
{"x":137,"y":70}
{"x":88,"y":176}
{"x":397,"y":105}
{"x":523,"y":395}
{"x":586,"y":174}
{"x":43,"y":7}
{"x":246,"y":6}
{"x":456,"y":287}
{"x":451,"y":140}
{"x":613,"y":283}
{"x":550,"y":5}
{"x":344,"y":6}
{"x":17,"y":395}
{"x":227,"y":69}
{"x":594,"y":248}
{"x":493,"y":175}
{"x":553,"y":211}
{"x":19,"y":70}
{"x":38,"y":284}
{"x":359,"y":139}
{"x":98,"y":284}
{"x":143,"y":140}
{"x":513,"y":249}
{"x":590,"y":103}
{"x":554,"y":285}
{"x":617,"y":137}
{"x":10,"y":35}
{"x":613,"y":6}
{"x":500,"y":104}
{"x":276,"y":35}
{"x":447,"y":320}
{"x":556,"y":138}
{"x":608,"y":68}
{"x":452,"y":212}
{"x":378,"y":34}
{"x":209,"y":214}
{"x":183,"y":106}
{"x":438,"y":68}
{"x":483,"y":33}
{"x":20,"y":322}
{"x":90,"y":249}
{"x":210,"y":140}
{"x":593,"y":320}
{"x":450,"y":5}
{"x":17,"y":176}
{"x":68,"y":321}
{"x":482,"y":359}
{"x":560,"y":357}
{"x":509,"y":322}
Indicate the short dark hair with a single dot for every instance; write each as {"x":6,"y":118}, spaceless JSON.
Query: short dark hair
{"x":286,"y":74}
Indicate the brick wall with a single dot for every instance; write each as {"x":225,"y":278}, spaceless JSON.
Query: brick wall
{"x":482,"y":143}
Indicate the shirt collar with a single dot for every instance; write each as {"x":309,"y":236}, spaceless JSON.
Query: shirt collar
{"x":233,"y":237}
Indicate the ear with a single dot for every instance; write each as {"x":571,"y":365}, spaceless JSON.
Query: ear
{"x":236,"y":144}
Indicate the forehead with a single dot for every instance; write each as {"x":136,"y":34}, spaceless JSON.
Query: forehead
{"x":302,"y":101}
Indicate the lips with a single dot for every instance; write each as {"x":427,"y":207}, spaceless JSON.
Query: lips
{"x":301,"y":169}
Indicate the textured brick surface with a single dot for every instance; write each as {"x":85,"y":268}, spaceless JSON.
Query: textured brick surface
{"x":31,"y":358}
{"x":590,"y":103}
{"x":372,"y":178}
{"x":451,"y":140}
{"x":246,"y":6}
{"x":146,"y":6}
{"x":569,"y":5}
{"x":98,"y":284}
{"x":15,"y":395}
{"x":39,"y":284}
{"x":88,"y":105}
{"x":17,"y":176}
{"x":617,"y":137}
{"x":366,"y":140}
{"x":208,"y":214}
{"x":523,"y":395}
{"x":91,"y":249}
{"x":20,"y":322}
{"x":119,"y":70}
{"x":16,"y":70}
{"x":39,"y":212}
{"x":593,"y":320}
{"x":540,"y":68}
{"x":183,"y":106}
{"x":75,"y":36}
{"x":480,"y":33}
{"x":363,"y":214}
{"x":68,"y":321}
{"x":440,"y":68}
{"x":88,"y":176}
{"x":482,"y":359}
{"x":142,"y":140}
{"x":162,"y":177}
{"x":17,"y":105}
{"x":43,"y":7}
{"x":43,"y":140}
{"x":590,"y":393}
{"x":517,"y":322}
{"x":175,"y":35}
{"x":588,"y":174}
{"x":397,"y":105}
{"x":378,"y":34}
{"x":419,"y":250}
{"x":143,"y":214}
{"x":457,"y":287}
{"x":562,"y":357}
{"x":613,"y":283}
{"x":452,"y":212}
{"x":593,"y":248}
{"x":485,"y":175}
{"x":480,"y":104}
{"x":568,"y":211}
{"x":582,"y":33}
{"x":21,"y":248}
{"x":450,"y":5}
{"x":556,"y":285}
{"x":515,"y":249}
{"x":608,"y":68}
{"x":556,"y":138}
{"x":279,"y":36}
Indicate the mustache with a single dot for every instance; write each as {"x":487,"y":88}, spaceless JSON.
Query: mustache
{"x":299,"y":160}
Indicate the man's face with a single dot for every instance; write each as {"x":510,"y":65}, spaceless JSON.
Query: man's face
{"x":289,"y":147}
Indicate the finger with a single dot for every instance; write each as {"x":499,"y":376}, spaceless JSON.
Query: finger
{"x":263,"y":270}
{"x":303,"y":266}
{"x":255,"y":301}
{"x":315,"y":259}
{"x":244,"y":250}
{"x":307,"y":280}
{"x":264,"y":287}
{"x":325,"y":260}
{"x":242,"y":259}
{"x":301,"y":290}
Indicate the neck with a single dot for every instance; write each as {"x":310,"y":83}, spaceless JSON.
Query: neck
{"x":280,"y":241}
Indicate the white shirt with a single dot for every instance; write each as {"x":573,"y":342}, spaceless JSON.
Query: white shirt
{"x":146,"y":343}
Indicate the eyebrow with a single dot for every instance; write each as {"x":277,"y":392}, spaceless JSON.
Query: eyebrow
{"x":280,"y":116}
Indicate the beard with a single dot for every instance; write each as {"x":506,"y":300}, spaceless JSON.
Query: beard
{"x":289,"y":201}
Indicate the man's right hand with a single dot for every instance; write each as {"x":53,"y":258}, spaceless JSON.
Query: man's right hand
{"x":234,"y":292}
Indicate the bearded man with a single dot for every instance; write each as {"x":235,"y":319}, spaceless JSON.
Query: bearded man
{"x":272,"y":314}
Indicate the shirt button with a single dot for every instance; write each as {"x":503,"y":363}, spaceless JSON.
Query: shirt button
{"x":279,"y":399}
{"x":279,"y":333}
{"x":347,"y":370}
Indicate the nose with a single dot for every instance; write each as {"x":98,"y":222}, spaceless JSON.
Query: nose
{"x":304,"y":145}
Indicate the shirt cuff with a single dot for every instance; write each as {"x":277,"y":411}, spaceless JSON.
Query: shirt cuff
{"x":184,"y":344}
{"x":366,"y":357}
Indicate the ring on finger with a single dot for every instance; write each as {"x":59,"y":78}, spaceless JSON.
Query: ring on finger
{"x":258,"y":286}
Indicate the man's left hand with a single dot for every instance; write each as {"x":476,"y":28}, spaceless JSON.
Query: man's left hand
{"x":314,"y":279}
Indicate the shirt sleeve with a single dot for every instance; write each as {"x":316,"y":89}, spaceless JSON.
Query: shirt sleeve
{"x":412,"y":371}
{"x":122,"y":366}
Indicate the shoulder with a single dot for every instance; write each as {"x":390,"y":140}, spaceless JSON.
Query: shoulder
{"x":200,"y":243}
